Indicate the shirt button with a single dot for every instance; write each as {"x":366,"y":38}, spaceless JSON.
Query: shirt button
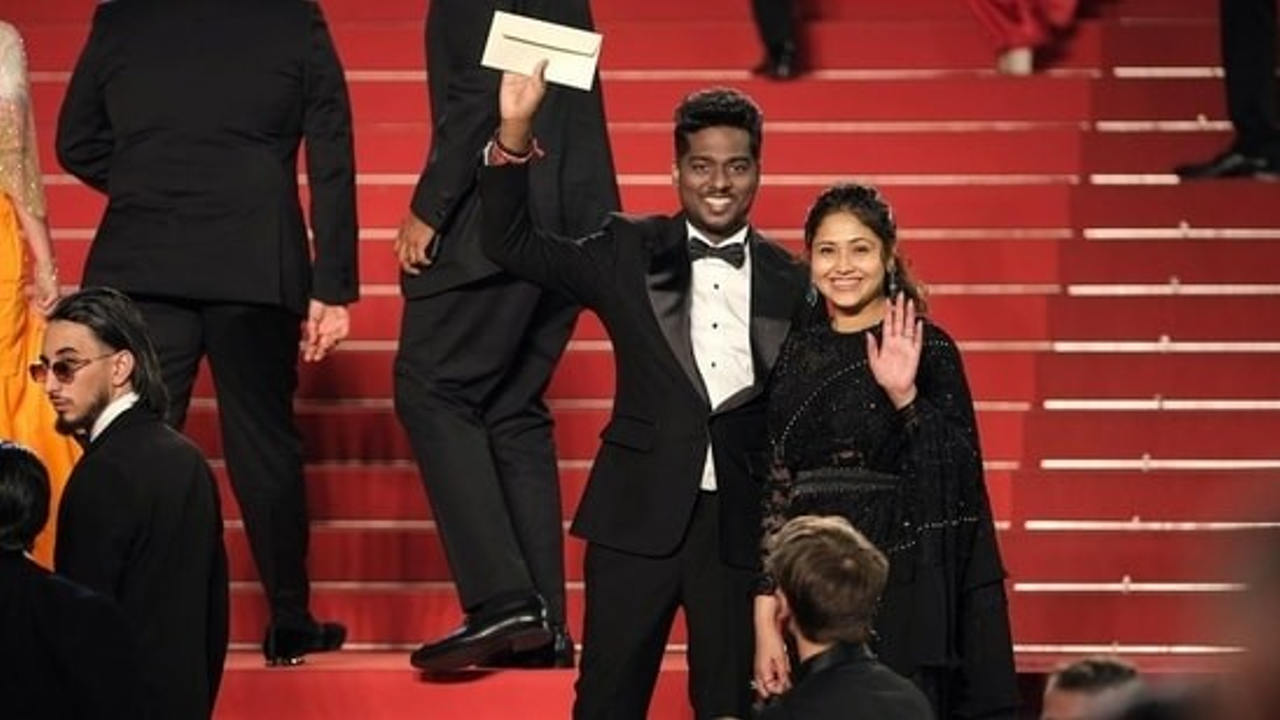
{"x":715,"y":326}
{"x":716,"y":286}
{"x":713,"y":364}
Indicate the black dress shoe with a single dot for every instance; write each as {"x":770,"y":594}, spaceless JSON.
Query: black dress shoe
{"x":1231,"y":163}
{"x":514,"y":627}
{"x":780,"y":63}
{"x":556,"y":654}
{"x":286,"y":645}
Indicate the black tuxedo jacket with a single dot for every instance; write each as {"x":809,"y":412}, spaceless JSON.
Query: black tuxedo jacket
{"x":636,"y":275}
{"x":188,"y":114}
{"x":847,"y":683}
{"x":573,"y":188}
{"x":140,"y":523}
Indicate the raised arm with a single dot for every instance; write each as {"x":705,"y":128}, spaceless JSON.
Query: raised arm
{"x":582,"y":269}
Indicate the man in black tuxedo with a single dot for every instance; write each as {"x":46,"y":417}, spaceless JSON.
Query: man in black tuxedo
{"x":189,"y":115}
{"x":478,"y":346}
{"x":829,"y":580}
{"x":697,"y":306}
{"x":1248,"y":37}
{"x":67,"y":652}
{"x":139,"y":520}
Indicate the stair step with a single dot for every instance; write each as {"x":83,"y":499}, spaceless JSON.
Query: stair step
{"x":1075,"y":435}
{"x":349,"y":684}
{"x":405,"y":614}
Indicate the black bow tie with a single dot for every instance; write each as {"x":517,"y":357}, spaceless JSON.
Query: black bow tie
{"x":733,"y":253}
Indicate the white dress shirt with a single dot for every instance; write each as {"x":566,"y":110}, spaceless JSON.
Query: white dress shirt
{"x":720,"y":328}
{"x":112,"y":411}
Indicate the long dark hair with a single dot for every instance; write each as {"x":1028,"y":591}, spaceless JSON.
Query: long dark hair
{"x":113,"y":318}
{"x":24,"y":497}
{"x":868,"y":205}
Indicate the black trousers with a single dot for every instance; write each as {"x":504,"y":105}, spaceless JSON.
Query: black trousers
{"x":631,"y":602}
{"x":470,"y":374}
{"x":253,"y":355}
{"x":1249,"y":58}
{"x":775,"y":20}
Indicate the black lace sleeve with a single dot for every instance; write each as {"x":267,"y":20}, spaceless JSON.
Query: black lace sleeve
{"x":775,"y":493}
{"x":940,"y":449}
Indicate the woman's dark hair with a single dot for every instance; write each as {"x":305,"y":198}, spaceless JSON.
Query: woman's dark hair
{"x":717,"y":107}
{"x":113,"y":318}
{"x":868,"y":205}
{"x":24,"y":497}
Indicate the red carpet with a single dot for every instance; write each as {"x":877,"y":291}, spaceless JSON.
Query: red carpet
{"x":1119,"y":329}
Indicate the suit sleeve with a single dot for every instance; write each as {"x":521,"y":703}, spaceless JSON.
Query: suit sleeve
{"x":97,"y":527}
{"x":84,"y":139}
{"x":330,"y":168}
{"x":465,"y":121}
{"x":582,"y":269}
{"x":218,"y":623}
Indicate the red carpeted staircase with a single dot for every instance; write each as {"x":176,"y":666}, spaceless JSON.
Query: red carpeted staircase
{"x":1120,"y":330}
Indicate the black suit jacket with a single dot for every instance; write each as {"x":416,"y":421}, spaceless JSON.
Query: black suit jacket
{"x":573,"y":188}
{"x":140,"y":523}
{"x":65,"y":651}
{"x":846,"y":682}
{"x":636,"y":275}
{"x":188,"y":114}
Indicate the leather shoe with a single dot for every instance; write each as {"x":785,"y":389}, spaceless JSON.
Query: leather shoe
{"x":781,"y":63}
{"x":1231,"y":163}
{"x":556,"y":654}
{"x":286,"y":645}
{"x":511,"y":628}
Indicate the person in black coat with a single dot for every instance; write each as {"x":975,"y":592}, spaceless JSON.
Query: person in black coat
{"x":67,"y":651}
{"x":140,"y":520}
{"x":829,"y":580}
{"x":1248,"y":39}
{"x":478,"y":346}
{"x":697,"y":305}
{"x":188,"y":115}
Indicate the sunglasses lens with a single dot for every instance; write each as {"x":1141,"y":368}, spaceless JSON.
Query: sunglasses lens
{"x":64,"y":371}
{"x":39,"y":371}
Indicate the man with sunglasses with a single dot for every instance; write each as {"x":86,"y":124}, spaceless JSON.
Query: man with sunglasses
{"x":140,"y":519}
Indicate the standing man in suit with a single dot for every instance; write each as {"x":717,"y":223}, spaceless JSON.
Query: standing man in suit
{"x":697,"y":306}
{"x":1248,"y":36}
{"x":188,"y":115}
{"x":68,"y":653}
{"x":478,"y":346}
{"x":139,"y":520}
{"x":829,"y":581}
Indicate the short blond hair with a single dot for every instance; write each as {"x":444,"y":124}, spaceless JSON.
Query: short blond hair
{"x":831,"y":575}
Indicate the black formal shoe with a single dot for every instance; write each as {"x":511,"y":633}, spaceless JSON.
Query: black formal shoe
{"x":286,"y":645}
{"x":512,"y":628}
{"x":556,"y":654}
{"x":1229,"y":164}
{"x":780,"y":63}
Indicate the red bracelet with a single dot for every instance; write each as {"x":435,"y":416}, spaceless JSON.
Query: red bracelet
{"x":502,"y":155}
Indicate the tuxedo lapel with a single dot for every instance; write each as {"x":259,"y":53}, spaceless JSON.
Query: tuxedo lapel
{"x":775,"y":286}
{"x":669,"y":283}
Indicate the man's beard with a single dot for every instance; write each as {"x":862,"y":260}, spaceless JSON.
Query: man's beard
{"x":84,"y":424}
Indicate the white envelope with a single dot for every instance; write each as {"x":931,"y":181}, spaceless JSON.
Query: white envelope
{"x":516,"y":43}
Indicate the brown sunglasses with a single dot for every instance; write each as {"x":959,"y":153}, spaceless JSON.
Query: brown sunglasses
{"x":64,"y":371}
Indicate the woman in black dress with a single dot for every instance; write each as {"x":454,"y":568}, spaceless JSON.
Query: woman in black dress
{"x":870,"y":417}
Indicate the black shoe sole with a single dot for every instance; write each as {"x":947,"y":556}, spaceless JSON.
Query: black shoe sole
{"x":480,"y":651}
